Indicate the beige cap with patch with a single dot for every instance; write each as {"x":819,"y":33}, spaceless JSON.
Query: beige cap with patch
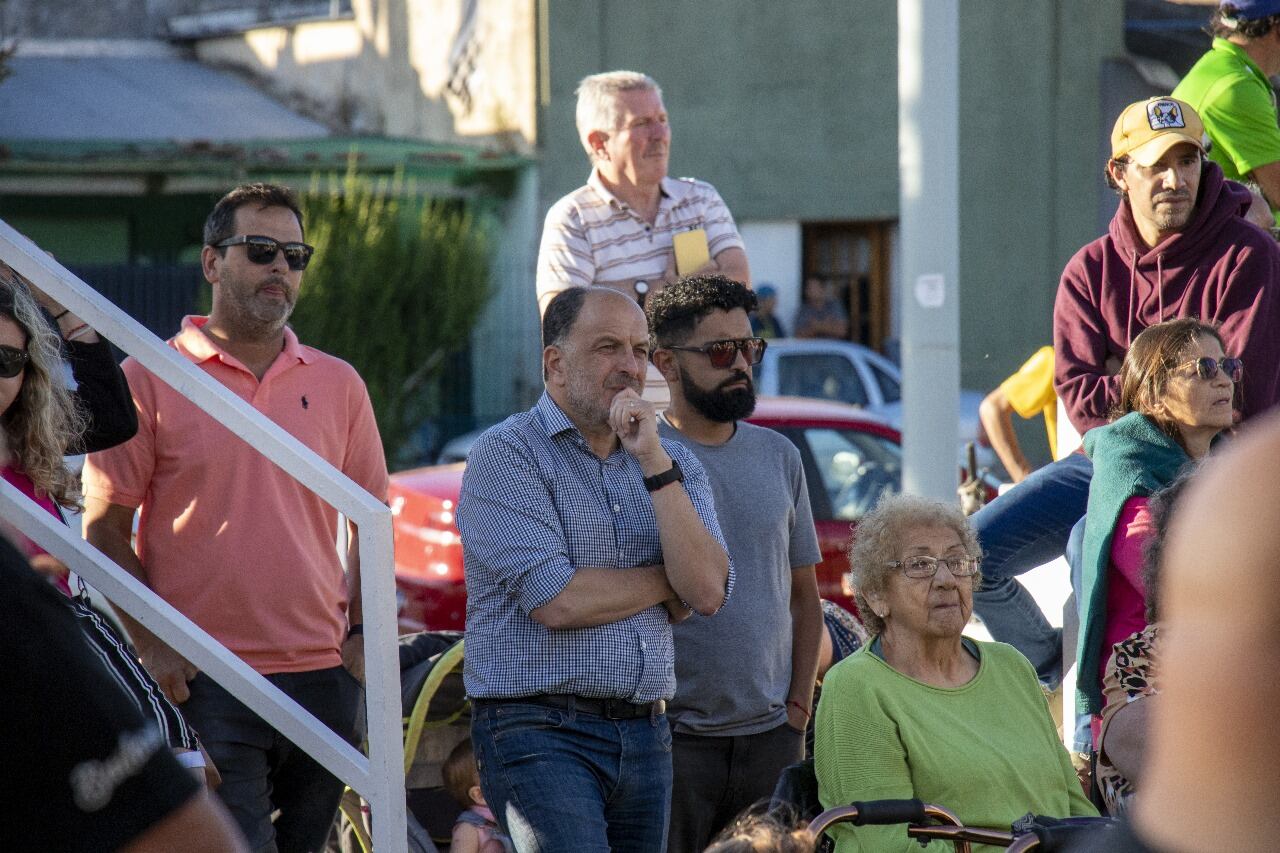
{"x":1147,"y":129}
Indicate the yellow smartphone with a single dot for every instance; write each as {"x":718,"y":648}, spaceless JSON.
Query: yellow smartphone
{"x":691,"y":250}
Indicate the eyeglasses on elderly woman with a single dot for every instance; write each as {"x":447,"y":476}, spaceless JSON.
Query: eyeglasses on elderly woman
{"x":926,"y":567}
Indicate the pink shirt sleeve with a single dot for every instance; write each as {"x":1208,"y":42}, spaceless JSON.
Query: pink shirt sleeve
{"x":365,"y":462}
{"x":1133,"y":528}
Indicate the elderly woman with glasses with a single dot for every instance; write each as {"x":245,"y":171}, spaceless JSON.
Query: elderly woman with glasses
{"x":923,"y":712}
{"x":1177,"y":394}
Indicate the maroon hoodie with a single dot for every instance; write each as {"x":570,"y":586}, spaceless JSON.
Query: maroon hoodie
{"x":1219,"y":269}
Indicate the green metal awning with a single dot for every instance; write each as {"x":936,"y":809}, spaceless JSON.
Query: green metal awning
{"x":125,"y":168}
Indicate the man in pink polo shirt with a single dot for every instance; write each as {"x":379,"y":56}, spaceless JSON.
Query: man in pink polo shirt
{"x":233,"y":542}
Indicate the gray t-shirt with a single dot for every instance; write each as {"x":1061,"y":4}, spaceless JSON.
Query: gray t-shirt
{"x":733,"y":669}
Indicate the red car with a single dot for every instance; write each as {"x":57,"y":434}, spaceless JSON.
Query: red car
{"x":850,"y":458}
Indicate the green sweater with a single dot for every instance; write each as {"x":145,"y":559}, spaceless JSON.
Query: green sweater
{"x":1132,"y":457}
{"x":988,"y":750}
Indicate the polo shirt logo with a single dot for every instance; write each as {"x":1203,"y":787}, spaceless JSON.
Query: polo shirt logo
{"x":1162,"y":115}
{"x":305,"y":405}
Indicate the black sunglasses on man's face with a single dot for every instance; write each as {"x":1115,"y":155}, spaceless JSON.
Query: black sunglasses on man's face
{"x":262,"y":250}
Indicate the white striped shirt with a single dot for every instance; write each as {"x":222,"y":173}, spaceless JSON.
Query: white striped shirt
{"x":590,"y":236}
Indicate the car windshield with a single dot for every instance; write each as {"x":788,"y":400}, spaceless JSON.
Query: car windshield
{"x":821,"y":375}
{"x":856,"y":469}
{"x":889,"y":385}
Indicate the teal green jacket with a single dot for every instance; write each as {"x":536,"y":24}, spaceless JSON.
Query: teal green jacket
{"x":1132,"y":457}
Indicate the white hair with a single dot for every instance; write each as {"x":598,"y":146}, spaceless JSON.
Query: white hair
{"x":598,"y":101}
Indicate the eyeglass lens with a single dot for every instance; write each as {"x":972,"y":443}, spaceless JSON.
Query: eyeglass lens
{"x":1207,"y":368}
{"x":262,"y":250}
{"x":927,"y":567}
{"x":12,"y":361}
{"x":724,"y":353}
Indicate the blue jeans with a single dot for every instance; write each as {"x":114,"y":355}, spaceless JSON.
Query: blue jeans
{"x":262,"y":770}
{"x":1025,"y":528}
{"x":565,"y":780}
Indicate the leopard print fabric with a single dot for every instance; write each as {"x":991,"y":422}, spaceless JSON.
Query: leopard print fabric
{"x":1131,"y":675}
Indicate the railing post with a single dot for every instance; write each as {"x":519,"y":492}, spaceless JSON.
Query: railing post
{"x":380,"y":778}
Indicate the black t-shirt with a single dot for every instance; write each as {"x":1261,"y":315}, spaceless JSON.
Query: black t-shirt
{"x":80,"y":767}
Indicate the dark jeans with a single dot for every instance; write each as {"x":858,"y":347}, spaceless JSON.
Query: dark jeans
{"x":1018,"y":531}
{"x":262,"y":771}
{"x":564,"y":780}
{"x":716,"y":778}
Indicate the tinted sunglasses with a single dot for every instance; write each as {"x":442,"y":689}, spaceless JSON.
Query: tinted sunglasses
{"x":1207,"y":368}
{"x":12,"y":361}
{"x":262,"y":250}
{"x":724,"y":353}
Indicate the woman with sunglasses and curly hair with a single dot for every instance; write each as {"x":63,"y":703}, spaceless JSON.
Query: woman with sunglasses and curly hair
{"x":43,"y":420}
{"x":1177,"y":394}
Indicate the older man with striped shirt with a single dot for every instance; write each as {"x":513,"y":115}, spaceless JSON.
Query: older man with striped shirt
{"x":618,"y":230}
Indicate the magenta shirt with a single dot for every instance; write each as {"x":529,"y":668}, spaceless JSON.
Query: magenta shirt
{"x":1126,"y":595}
{"x":22,"y":483}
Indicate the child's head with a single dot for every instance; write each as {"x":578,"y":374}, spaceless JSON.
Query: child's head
{"x":762,"y":833}
{"x":462,"y":777}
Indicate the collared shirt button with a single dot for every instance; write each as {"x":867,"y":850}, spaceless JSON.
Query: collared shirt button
{"x":643,"y":645}
{"x":617,"y":508}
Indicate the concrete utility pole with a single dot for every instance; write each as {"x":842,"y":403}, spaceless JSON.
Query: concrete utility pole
{"x":929,"y":205}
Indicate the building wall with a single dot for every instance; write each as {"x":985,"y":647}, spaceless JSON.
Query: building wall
{"x":790,"y":110}
{"x":774,"y":248}
{"x":1031,"y":124}
{"x":402,"y":68}
{"x":781,"y":105}
{"x":506,"y":350}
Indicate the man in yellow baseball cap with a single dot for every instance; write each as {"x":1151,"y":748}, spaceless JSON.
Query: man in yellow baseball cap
{"x":1157,"y":147}
{"x":1177,"y":246}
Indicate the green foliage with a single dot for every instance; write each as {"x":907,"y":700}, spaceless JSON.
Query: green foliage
{"x":396,"y":284}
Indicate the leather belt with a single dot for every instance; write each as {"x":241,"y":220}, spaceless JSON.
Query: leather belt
{"x":610,"y":709}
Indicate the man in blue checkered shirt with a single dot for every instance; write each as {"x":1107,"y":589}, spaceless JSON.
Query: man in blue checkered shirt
{"x":585,"y":536}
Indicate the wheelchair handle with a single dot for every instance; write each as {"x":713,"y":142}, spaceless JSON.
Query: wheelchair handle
{"x":882,"y":812}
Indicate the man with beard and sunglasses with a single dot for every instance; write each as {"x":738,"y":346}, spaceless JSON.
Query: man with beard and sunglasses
{"x":1178,"y":246}
{"x":744,"y":680}
{"x":584,"y":535}
{"x":232,"y":541}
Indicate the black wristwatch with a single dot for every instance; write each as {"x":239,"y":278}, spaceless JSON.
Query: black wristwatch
{"x":671,"y":475}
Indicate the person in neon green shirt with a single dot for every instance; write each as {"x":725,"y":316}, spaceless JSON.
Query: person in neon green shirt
{"x":923,"y":712}
{"x":1029,"y":392}
{"x":1230,"y":89}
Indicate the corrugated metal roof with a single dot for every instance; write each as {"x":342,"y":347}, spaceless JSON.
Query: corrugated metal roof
{"x":139,"y":99}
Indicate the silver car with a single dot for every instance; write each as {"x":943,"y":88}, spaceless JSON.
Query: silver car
{"x":851,"y":373}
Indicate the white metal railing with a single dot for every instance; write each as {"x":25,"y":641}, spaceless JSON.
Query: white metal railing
{"x":378,"y":778}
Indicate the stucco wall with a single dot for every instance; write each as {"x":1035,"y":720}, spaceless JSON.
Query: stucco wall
{"x":388,"y":71}
{"x":790,"y":110}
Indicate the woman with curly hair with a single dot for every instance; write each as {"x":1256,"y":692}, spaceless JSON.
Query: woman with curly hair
{"x":922,"y":712}
{"x":42,"y":421}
